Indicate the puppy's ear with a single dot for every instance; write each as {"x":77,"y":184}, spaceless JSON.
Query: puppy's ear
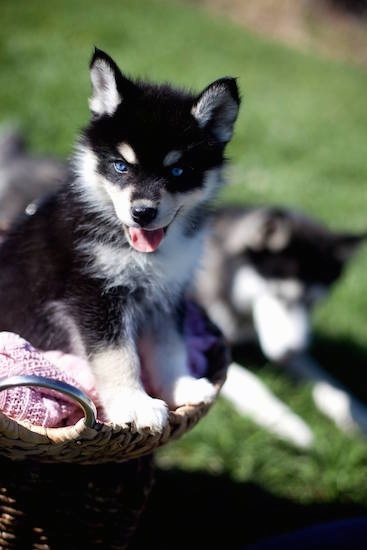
{"x":109,"y":86}
{"x":216,"y":108}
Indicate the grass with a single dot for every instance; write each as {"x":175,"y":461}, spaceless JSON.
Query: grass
{"x":300,"y":141}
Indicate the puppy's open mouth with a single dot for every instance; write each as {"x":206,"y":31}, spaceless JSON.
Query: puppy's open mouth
{"x":144,"y":240}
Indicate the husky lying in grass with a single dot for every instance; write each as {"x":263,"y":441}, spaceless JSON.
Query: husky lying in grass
{"x":264,"y":270}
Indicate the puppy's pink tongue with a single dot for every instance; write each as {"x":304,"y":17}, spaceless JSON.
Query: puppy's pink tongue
{"x":145,"y":241}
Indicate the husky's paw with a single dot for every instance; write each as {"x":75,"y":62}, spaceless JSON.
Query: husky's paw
{"x":146,"y":413}
{"x":191,"y":391}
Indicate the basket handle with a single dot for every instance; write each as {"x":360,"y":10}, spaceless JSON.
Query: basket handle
{"x":77,"y":395}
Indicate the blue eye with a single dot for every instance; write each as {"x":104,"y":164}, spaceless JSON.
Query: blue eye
{"x":177,"y":171}
{"x":120,"y":166}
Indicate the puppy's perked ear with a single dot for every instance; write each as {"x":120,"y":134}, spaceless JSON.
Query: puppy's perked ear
{"x":216,"y":108}
{"x":109,"y":86}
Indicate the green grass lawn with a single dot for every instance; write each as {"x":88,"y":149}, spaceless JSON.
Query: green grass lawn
{"x":301,"y":141}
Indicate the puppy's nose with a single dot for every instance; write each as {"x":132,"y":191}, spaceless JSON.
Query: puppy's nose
{"x":143,"y":215}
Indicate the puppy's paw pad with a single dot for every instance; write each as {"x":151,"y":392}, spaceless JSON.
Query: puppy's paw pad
{"x":191,"y":391}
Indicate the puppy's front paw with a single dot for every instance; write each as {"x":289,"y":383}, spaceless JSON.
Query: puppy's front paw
{"x":191,"y":391}
{"x":136,"y":407}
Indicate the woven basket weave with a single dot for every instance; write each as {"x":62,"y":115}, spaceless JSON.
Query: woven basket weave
{"x":85,"y":487}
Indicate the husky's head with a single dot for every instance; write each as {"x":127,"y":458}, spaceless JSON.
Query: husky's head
{"x":267,"y":268}
{"x":153,"y":154}
{"x":285,"y":245}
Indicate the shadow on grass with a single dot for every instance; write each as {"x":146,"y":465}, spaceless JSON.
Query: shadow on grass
{"x":196,"y":510}
{"x":345,"y":360}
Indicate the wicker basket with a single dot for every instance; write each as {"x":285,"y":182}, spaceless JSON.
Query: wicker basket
{"x":72,"y":506}
{"x":85,"y":486}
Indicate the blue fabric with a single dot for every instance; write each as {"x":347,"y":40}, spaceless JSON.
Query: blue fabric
{"x":350,"y":534}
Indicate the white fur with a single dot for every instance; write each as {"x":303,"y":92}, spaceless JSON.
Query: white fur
{"x":281,"y":328}
{"x":120,"y":198}
{"x":166,"y":270}
{"x":247,"y":286}
{"x":347,"y":412}
{"x":334,"y":403}
{"x":105,"y":98}
{"x":250,"y":397}
{"x":87,"y":183}
{"x":31,"y":208}
{"x":330,"y":396}
{"x":122,"y":393}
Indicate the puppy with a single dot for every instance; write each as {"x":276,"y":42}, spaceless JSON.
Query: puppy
{"x":263,"y":272}
{"x":101,"y":268}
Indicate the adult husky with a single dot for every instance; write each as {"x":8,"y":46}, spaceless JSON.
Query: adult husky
{"x":264,"y":271}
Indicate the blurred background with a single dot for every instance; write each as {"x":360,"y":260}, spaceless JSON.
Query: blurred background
{"x":300,"y":141}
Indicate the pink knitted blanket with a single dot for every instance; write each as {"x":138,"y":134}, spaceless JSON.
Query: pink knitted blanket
{"x":47,"y":408}
{"x":41,"y":406}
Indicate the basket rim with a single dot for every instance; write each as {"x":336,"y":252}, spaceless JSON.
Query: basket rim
{"x":103,"y":442}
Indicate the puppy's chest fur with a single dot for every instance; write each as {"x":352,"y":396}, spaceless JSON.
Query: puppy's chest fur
{"x":131,"y":293}
{"x":157,"y":277}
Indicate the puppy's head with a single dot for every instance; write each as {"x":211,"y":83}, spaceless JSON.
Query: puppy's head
{"x":299,"y":256}
{"x":152,"y":153}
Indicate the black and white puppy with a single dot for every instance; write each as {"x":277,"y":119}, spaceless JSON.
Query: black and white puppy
{"x":102,"y":267}
{"x":263,"y":271}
